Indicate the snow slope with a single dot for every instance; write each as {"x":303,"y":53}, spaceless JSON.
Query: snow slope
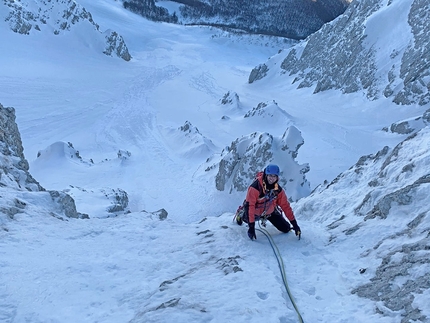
{"x":123,"y":119}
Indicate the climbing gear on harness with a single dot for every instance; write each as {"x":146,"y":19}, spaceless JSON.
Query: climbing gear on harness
{"x":263,"y":221}
{"x":269,"y":197}
{"x":238,"y":216}
{"x":263,"y":218}
{"x":282,"y":269}
{"x":239,"y":220}
{"x":264,"y":191}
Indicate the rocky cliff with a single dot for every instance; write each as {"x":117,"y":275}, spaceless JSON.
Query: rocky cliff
{"x":379,"y":47}
{"x":20,"y":192}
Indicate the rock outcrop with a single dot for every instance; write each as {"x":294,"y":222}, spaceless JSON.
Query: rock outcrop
{"x":18,"y":189}
{"x":382,"y":202}
{"x":59,"y":16}
{"x":238,"y":164}
{"x":353,"y":54}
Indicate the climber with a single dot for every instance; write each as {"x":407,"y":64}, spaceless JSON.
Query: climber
{"x":266,"y":199}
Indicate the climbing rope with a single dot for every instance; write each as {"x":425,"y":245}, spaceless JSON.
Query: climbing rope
{"x":281,"y":268}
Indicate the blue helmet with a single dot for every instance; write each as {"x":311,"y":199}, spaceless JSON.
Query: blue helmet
{"x":272,"y":169}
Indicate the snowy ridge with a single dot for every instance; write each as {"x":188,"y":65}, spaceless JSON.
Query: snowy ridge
{"x":97,"y":201}
{"x":378,"y":210}
{"x":59,"y":152}
{"x":268,"y":110}
{"x":188,"y":142}
{"x":236,"y":164}
{"x":410,"y":125}
{"x":355,"y":52}
{"x":59,"y":16}
{"x":20,"y":192}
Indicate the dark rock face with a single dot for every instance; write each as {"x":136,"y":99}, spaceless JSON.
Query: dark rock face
{"x":115,"y":44}
{"x":118,"y":198}
{"x":13,"y":164}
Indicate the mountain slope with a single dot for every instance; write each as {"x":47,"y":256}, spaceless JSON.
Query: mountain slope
{"x":132,"y":142}
{"x":58,"y":17}
{"x":378,"y":211}
{"x":291,"y":19}
{"x":18,"y":189}
{"x":378,"y":48}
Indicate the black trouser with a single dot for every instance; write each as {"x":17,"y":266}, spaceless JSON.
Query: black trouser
{"x":276,"y":218}
{"x":279,"y":222}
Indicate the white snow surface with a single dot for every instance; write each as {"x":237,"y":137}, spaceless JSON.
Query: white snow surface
{"x":196,"y":265}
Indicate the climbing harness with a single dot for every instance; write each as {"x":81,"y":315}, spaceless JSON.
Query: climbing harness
{"x":268,"y":197}
{"x":262,"y":218}
{"x":281,"y":268}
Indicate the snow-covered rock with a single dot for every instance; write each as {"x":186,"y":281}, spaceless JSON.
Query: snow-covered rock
{"x":19,"y":191}
{"x":187,"y":141}
{"x":59,"y":16}
{"x":410,"y":125}
{"x":230,"y":103}
{"x":238,"y":164}
{"x":379,"y":210}
{"x":13,"y":167}
{"x":99,"y":202}
{"x":379,"y":47}
{"x":60,"y":157}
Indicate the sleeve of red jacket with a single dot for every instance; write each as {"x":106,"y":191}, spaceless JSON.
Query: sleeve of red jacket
{"x":251,"y":198}
{"x":285,"y":205}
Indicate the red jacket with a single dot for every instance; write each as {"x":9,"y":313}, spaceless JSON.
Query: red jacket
{"x":260,"y":203}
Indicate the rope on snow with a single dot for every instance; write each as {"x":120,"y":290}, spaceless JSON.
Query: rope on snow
{"x":281,"y":268}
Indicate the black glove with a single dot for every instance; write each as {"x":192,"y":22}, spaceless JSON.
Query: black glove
{"x":296,"y":228}
{"x":251,"y":231}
